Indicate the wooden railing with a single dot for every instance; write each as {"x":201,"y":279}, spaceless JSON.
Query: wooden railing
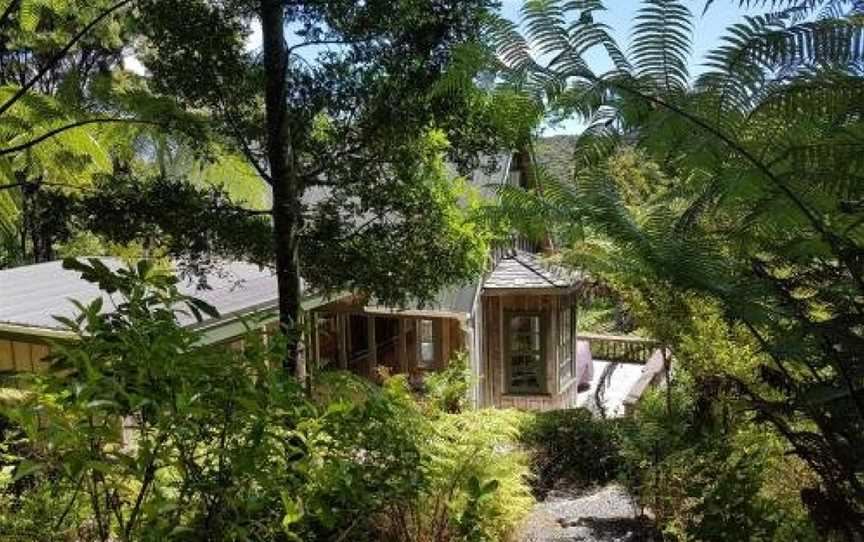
{"x":620,"y":349}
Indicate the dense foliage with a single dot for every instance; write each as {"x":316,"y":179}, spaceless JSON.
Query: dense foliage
{"x":138,"y":432}
{"x":737,"y":190}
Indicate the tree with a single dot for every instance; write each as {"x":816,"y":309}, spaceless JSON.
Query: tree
{"x":69,"y":114}
{"x":341,"y":108}
{"x":754,"y":203}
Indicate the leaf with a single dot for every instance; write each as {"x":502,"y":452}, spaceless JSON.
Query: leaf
{"x":26,"y":468}
{"x":293,"y":511}
{"x":196,"y":305}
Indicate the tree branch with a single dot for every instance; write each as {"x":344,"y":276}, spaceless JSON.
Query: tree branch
{"x":56,"y":131}
{"x":60,"y":55}
{"x":9,"y":9}
{"x":322,"y":42}
{"x":244,"y":147}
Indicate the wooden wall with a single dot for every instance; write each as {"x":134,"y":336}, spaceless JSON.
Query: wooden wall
{"x":16,"y":355}
{"x":493,"y":383}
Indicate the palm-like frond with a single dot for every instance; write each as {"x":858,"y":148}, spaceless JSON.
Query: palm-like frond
{"x":662,"y":37}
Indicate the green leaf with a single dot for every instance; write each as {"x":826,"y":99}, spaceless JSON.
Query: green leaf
{"x":26,"y":468}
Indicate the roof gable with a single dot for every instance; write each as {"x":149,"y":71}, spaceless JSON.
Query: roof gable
{"x":518,"y":269}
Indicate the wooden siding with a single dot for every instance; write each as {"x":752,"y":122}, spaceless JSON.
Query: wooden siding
{"x":493,"y":381}
{"x":21,"y":356}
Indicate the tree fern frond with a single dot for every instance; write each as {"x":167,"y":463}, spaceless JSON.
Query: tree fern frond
{"x":662,"y":38}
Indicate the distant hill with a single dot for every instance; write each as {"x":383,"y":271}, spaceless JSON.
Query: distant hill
{"x":555,"y":153}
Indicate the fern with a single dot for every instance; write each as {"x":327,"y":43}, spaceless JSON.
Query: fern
{"x":662,"y":37}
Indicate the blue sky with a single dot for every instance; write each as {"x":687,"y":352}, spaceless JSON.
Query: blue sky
{"x":619,"y":15}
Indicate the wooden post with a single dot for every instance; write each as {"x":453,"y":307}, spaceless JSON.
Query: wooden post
{"x":314,"y":338}
{"x":444,"y":353}
{"x":373,"y":345}
{"x":403,"y":347}
{"x":342,"y":341}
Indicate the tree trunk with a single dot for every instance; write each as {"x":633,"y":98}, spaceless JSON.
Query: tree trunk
{"x":287,"y":189}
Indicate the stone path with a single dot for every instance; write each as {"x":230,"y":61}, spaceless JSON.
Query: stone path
{"x":604,"y":515}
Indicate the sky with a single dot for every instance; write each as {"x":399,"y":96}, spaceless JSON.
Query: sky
{"x":619,"y":16}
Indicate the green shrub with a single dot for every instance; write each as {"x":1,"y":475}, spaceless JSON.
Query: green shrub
{"x":423,"y":474}
{"x":476,"y":485}
{"x":447,"y":390}
{"x":572,"y":446}
{"x":224,"y":447}
{"x":705,"y":477}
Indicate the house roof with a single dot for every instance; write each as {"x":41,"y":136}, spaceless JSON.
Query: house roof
{"x":518,"y":269}
{"x":453,"y":302}
{"x":31,"y":295}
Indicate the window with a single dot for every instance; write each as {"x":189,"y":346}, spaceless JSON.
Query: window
{"x":524,"y":354}
{"x":426,"y":344}
{"x":328,"y":339}
{"x":566,"y":354}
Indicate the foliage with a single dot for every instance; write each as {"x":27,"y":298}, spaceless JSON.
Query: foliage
{"x":140,"y":432}
{"x":571,"y":446}
{"x":742,"y":193}
{"x":704,"y":474}
{"x":448,"y":388}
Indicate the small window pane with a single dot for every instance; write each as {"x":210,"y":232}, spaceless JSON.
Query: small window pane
{"x":525,"y":324}
{"x":426,"y":358}
{"x":525,"y":353}
{"x":524,"y":342}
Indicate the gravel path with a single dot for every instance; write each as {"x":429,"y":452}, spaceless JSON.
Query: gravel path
{"x":603,"y":515}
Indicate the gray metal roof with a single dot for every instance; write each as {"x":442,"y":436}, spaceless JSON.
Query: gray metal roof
{"x":519,"y":269}
{"x":454,"y":301}
{"x":31,"y":295}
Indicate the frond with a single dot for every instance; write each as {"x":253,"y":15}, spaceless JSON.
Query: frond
{"x":661,"y":43}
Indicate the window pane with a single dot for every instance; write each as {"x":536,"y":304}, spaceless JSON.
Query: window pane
{"x":525,"y":324}
{"x":525,"y":372}
{"x":426,"y":331}
{"x":525,"y":342}
{"x":426,"y":357}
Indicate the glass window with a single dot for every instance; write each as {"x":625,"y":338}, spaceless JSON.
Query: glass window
{"x":426,"y":334}
{"x":328,"y":339}
{"x":566,"y":355}
{"x":525,"y":353}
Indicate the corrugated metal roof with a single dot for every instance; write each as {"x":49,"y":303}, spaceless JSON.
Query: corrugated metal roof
{"x":452,"y":301}
{"x":31,"y":295}
{"x":519,"y":269}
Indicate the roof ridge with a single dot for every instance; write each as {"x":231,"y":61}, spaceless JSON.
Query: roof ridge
{"x":516,"y":256}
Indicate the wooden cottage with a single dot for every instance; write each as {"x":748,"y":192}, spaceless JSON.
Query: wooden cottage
{"x":516,"y":325}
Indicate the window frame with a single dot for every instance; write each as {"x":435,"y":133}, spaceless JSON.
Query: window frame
{"x":421,"y":363}
{"x":542,"y":389}
{"x":567,"y":356}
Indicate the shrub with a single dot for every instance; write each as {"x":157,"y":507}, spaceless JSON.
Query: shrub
{"x":572,"y":446}
{"x":224,"y":447}
{"x":476,"y":486}
{"x":706,"y":478}
{"x":447,"y":390}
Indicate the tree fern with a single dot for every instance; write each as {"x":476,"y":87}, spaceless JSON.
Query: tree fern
{"x":662,"y":36}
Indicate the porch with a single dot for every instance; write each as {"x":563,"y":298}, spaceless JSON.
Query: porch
{"x":372,"y":342}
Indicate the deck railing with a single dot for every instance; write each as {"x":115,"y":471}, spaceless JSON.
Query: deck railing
{"x":620,"y":349}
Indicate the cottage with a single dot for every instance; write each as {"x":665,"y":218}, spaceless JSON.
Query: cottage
{"x":516,"y":325}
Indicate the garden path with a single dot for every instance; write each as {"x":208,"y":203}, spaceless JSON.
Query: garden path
{"x":606,"y":514}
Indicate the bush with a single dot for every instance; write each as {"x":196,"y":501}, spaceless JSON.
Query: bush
{"x":706,"y":478}
{"x":573,"y":447}
{"x":424,"y":474}
{"x":447,"y":390}
{"x":223,"y":447}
